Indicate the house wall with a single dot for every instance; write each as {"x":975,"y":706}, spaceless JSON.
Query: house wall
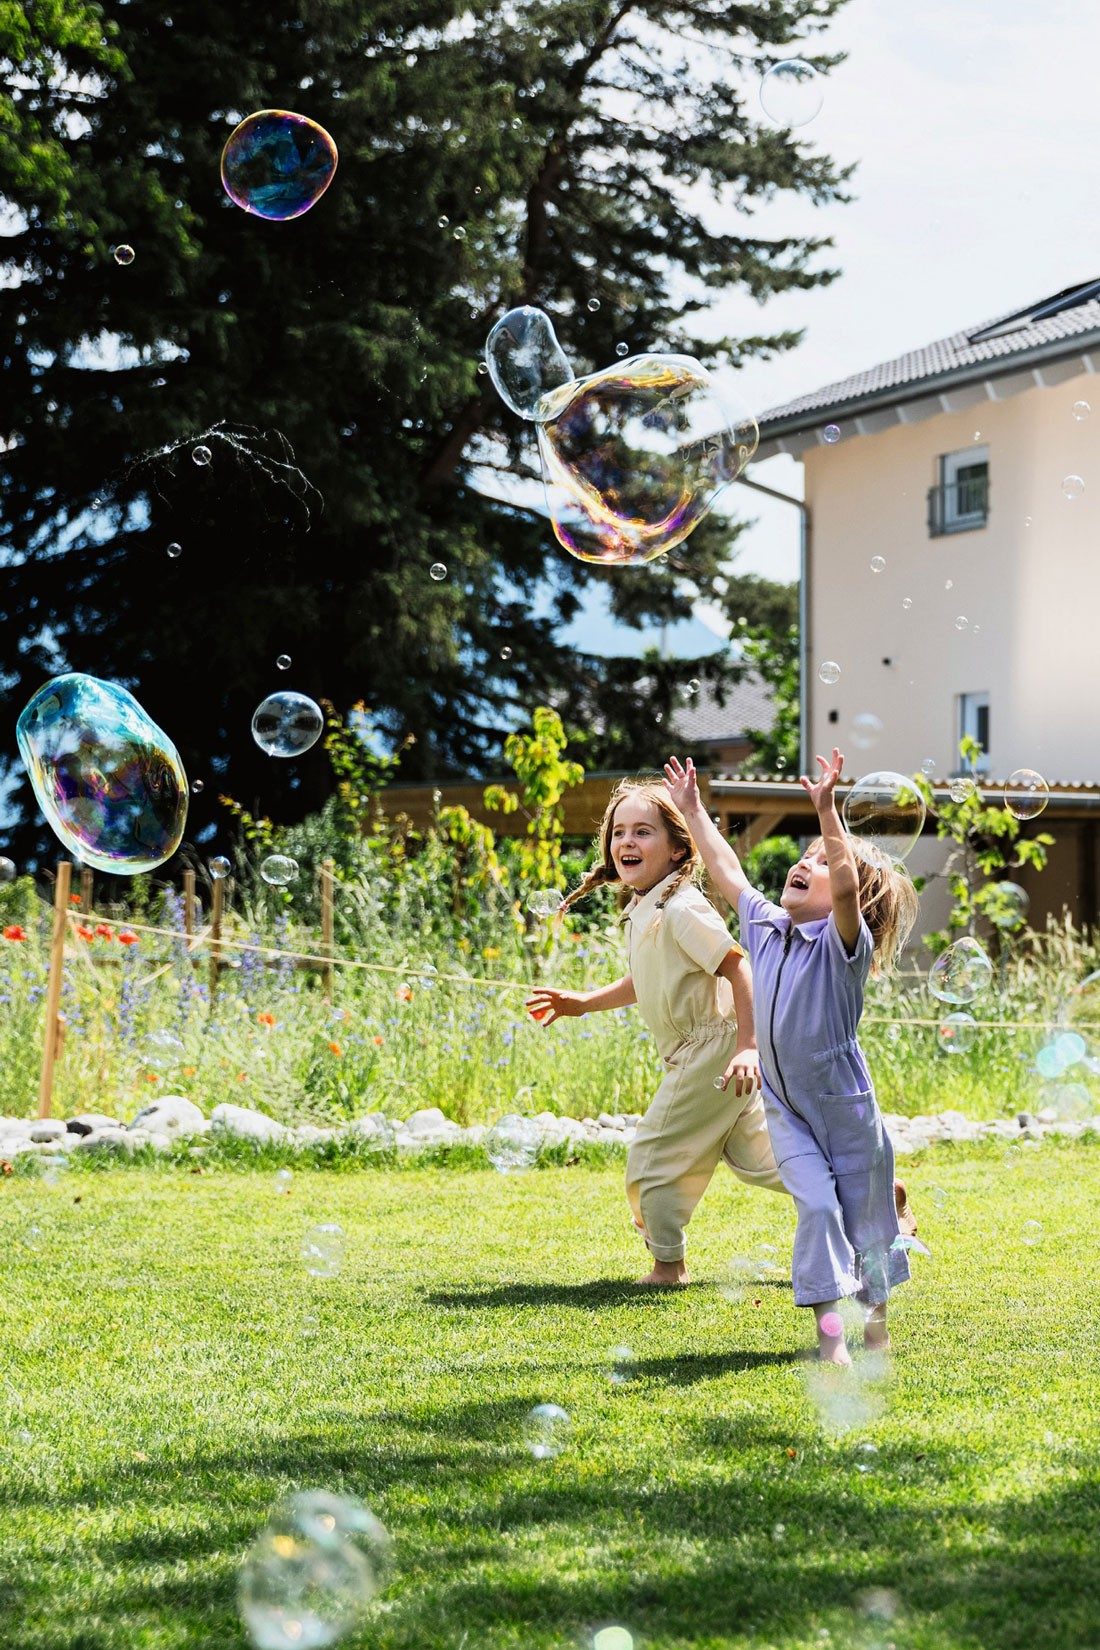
{"x":1029,"y":580}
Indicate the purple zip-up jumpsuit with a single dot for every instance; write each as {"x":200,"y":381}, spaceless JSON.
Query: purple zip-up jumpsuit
{"x":834,"y":1156}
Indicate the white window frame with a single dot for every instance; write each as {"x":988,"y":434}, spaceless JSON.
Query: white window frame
{"x":968,"y":722}
{"x":954,"y":519}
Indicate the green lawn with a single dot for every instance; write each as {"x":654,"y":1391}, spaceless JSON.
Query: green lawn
{"x":163,"y":1384}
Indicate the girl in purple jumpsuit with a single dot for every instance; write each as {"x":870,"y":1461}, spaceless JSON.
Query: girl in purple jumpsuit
{"x":842,"y":917}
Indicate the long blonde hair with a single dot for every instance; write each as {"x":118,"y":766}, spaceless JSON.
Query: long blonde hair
{"x":680,"y":838}
{"x":888,"y":901}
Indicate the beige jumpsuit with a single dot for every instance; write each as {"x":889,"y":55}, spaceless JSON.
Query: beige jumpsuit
{"x":675,"y":950}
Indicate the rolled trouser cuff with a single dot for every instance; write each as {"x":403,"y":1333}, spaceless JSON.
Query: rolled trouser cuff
{"x":668,"y":1254}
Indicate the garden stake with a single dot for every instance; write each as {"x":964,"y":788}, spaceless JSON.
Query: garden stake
{"x":51,"y":1034}
{"x":327,"y":924}
{"x":86,"y":890}
{"x":189,"y":903}
{"x":215,"y":936}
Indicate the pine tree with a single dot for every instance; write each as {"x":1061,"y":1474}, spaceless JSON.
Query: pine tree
{"x":330,"y":363}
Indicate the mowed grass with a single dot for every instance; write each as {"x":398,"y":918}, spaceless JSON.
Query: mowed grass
{"x":169,"y":1371}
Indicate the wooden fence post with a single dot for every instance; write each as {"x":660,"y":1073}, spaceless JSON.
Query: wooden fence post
{"x":86,"y":890}
{"x":327,"y":867}
{"x":189,"y":904}
{"x":50,"y":1037}
{"x":216,"y":907}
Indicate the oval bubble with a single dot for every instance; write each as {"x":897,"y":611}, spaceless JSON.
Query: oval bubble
{"x":277,"y":165}
{"x":960,"y":973}
{"x":107,"y":778}
{"x":287,"y":724}
{"x":887,"y":810}
{"x":633,"y":457}
{"x":323,"y":1249}
{"x":279,"y":869}
{"x":525,"y":360}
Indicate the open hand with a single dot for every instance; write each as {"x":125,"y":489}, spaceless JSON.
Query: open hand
{"x":681,"y":784}
{"x":546,"y":1005}
{"x":742,"y":1075}
{"x":821,"y":793}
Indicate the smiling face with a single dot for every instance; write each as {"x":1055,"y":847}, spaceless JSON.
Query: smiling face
{"x":807,"y":895}
{"x":640,"y":846}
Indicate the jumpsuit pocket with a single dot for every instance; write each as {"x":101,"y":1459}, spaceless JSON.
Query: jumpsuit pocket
{"x":853,"y":1128}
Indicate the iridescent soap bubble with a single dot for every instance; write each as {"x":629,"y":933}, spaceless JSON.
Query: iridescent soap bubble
{"x":866,"y":730}
{"x":219,"y":867}
{"x":960,"y":973}
{"x":7,"y":869}
{"x":277,"y":164}
{"x":1072,"y":487}
{"x":1026,"y":793}
{"x":108,"y":780}
{"x":545,"y":902}
{"x":323,"y":1249}
{"x":278,"y":870}
{"x":828,"y":672}
{"x":124,"y":255}
{"x":547,"y":1430}
{"x":309,"y":1576}
{"x":878,"y":564}
{"x":633,"y":457}
{"x":525,"y":360}
{"x":791,"y":92}
{"x":957,"y":1033}
{"x":886,"y":810}
{"x":1006,"y":905}
{"x":512,"y":1143}
{"x":831,"y":434}
{"x":287,"y":724}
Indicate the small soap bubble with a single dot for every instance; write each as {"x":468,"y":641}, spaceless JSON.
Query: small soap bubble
{"x":886,"y":811}
{"x":108,"y":780}
{"x":1007,"y":905}
{"x":1026,"y":793}
{"x":175,"y":551}
{"x":545,"y":902}
{"x":828,"y":672}
{"x":949,"y":584}
{"x":437,"y":571}
{"x":306,"y":1581}
{"x":592,"y":305}
{"x":791,"y":93}
{"x":928,"y":766}
{"x":622,"y":349}
{"x":1027,"y":521}
{"x":907,"y":602}
{"x":197,"y":787}
{"x":278,"y":870}
{"x":781,"y":761}
{"x":691,"y":688}
{"x":623,"y":1365}
{"x":201,"y":456}
{"x":1081,"y":410}
{"x":7,"y":869}
{"x":283,"y":1180}
{"x":277,"y":165}
{"x":33,"y":1237}
{"x":962,"y":622}
{"x":482,"y":368}
{"x":512,"y":1143}
{"x":459,"y":234}
{"x":1072,"y":487}
{"x":547,"y":1431}
{"x":506,"y":654}
{"x":323,"y":1249}
{"x":124,"y":255}
{"x":878,"y":564}
{"x":283,"y":662}
{"x":960,"y":973}
{"x":219,"y":868}
{"x":866,"y":730}
{"x":961,"y":789}
{"x":831,"y":434}
{"x":287,"y":724}
{"x":957,"y":1033}
{"x":443,"y":221}
{"x":779,"y":1532}
{"x":879,"y":1603}
{"x":1032,"y":1232}
{"x":613,"y":1638}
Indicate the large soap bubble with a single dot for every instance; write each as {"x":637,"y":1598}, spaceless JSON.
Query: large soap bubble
{"x":312,"y":1571}
{"x":885,"y":809}
{"x":1026,"y":793}
{"x":512,"y":1143}
{"x":792,"y":92}
{"x":960,"y":973}
{"x":277,"y":165}
{"x":108,"y":780}
{"x":634,"y":456}
{"x":525,"y":360}
{"x":287,"y":724}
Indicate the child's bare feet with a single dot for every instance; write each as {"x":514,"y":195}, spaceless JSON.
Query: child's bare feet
{"x":831,"y":1347}
{"x":876,"y":1336}
{"x":666,"y":1274}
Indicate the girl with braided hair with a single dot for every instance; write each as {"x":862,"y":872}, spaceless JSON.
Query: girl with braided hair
{"x":694,"y":988}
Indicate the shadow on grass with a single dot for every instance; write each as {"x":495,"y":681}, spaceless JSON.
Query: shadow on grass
{"x":592,"y":1296}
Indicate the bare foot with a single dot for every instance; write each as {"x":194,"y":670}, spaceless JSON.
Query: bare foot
{"x":831,"y":1347}
{"x":876,"y":1336}
{"x":666,"y":1274}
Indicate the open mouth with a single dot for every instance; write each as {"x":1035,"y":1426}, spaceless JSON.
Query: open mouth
{"x":799,"y":881}
{"x":628,"y":862}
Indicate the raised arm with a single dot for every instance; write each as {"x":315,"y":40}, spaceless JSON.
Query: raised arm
{"x":719,"y":858}
{"x":843,"y":874}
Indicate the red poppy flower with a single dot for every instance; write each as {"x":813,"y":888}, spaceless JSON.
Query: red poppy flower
{"x":336,"y":1049}
{"x":75,"y":899}
{"x":14,"y":932}
{"x":102,"y":932}
{"x":126,"y":938}
{"x":84,"y":933}
{"x":266,"y":1019}
{"x":379,"y":1041}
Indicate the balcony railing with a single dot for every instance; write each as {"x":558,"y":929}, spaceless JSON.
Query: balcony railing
{"x":958,"y":506}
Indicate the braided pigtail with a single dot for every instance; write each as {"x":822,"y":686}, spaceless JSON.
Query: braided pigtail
{"x":597,"y":877}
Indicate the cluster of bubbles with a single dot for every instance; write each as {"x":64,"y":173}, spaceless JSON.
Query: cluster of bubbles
{"x":312,"y":1571}
{"x":277,"y":165}
{"x":633,"y":456}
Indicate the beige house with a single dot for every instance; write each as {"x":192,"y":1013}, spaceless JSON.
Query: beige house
{"x":968,"y":474}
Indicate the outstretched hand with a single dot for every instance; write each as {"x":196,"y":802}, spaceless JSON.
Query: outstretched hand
{"x":681,"y":784}
{"x":821,"y":793}
{"x":545,"y":1005}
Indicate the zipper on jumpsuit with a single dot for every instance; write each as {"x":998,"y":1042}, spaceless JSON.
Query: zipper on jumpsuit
{"x":771,"y":1022}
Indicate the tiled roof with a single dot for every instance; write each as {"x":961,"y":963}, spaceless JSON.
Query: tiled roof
{"x":702,"y":720}
{"x":1057,"y":324}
